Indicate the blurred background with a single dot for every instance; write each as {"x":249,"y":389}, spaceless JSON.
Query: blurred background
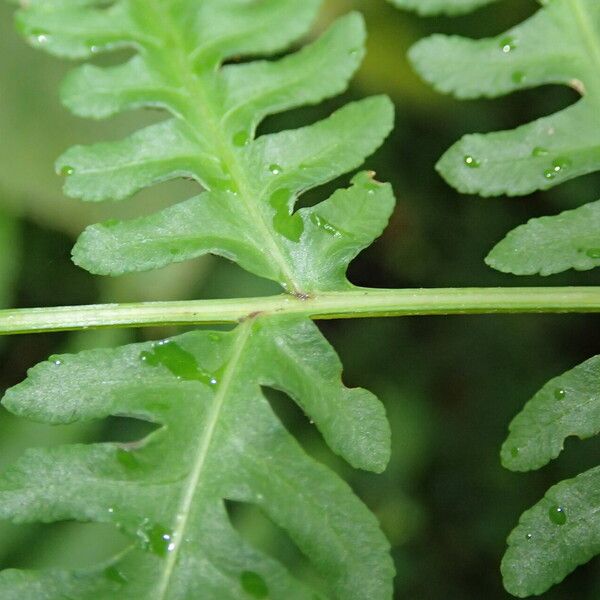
{"x":450,"y":384}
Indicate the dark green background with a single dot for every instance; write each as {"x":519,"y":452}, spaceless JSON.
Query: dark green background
{"x":451,"y":385}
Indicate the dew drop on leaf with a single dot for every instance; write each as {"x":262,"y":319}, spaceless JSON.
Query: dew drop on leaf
{"x":559,"y":394}
{"x":528,"y":536}
{"x":561,"y":164}
{"x":40,"y":36}
{"x":113,"y":574}
{"x":275,"y":169}
{"x":325,"y":225}
{"x":514,"y":452}
{"x":127,"y":459}
{"x":539,"y":151}
{"x":549,"y":174}
{"x":156,"y":538}
{"x":254,"y":585}
{"x":557,"y":515}
{"x":471,"y":162}
{"x":67,"y":170}
{"x":180,"y":362}
{"x":518,"y":77}
{"x":507,"y":44}
{"x":290,"y":226}
{"x":593,"y":252}
{"x":241,"y":138}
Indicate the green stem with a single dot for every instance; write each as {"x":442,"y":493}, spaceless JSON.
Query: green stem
{"x":357,"y":303}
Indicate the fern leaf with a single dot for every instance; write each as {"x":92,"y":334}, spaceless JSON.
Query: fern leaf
{"x":218,"y":439}
{"x":434,"y":7}
{"x":558,"y":45}
{"x":252,"y":184}
{"x":568,"y":405}
{"x":548,"y":245}
{"x":554,"y":537}
{"x":562,"y":531}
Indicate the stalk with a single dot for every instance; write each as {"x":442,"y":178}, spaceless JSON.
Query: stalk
{"x":352,"y":304}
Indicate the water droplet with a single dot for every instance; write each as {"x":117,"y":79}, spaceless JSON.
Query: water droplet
{"x":241,"y":138}
{"x":289,"y":225}
{"x":66,"y":171}
{"x":325,"y":225}
{"x":225,"y":184}
{"x":254,"y":584}
{"x":127,"y":459}
{"x":114,"y":575}
{"x":559,"y":394}
{"x":275,"y":169}
{"x":111,"y":510}
{"x":471,"y":162}
{"x":56,"y":360}
{"x":180,"y":362}
{"x":557,"y":515}
{"x":94,"y":49}
{"x":155,"y":538}
{"x":518,"y":77}
{"x":561,"y":163}
{"x":507,"y":44}
{"x":40,"y":36}
{"x":539,"y":151}
{"x":514,"y":452}
{"x":549,"y":174}
{"x":528,"y":536}
{"x":214,"y":337}
{"x":593,"y":252}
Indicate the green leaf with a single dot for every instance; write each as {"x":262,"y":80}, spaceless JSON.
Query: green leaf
{"x":562,"y":531}
{"x":560,"y":44}
{"x":218,"y":439}
{"x":554,"y":537}
{"x":252,"y":184}
{"x":434,"y":7}
{"x":548,"y":245}
{"x":568,"y":405}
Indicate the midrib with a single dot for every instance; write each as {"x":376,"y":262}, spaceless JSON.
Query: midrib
{"x":205,"y":117}
{"x":193,"y":481}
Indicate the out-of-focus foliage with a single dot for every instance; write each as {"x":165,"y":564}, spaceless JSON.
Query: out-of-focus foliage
{"x":434,"y":7}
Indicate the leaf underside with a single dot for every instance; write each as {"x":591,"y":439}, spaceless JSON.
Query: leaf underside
{"x":560,"y":44}
{"x":246,"y":213}
{"x":218,"y":438}
{"x":562,"y":531}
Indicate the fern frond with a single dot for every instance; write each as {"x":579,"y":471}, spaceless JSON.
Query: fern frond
{"x":434,"y":7}
{"x":247,"y":213}
{"x":548,"y":245}
{"x":560,"y":44}
{"x":562,"y":531}
{"x":218,"y":440}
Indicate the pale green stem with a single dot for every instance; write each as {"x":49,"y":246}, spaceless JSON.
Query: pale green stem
{"x":356,"y":303}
